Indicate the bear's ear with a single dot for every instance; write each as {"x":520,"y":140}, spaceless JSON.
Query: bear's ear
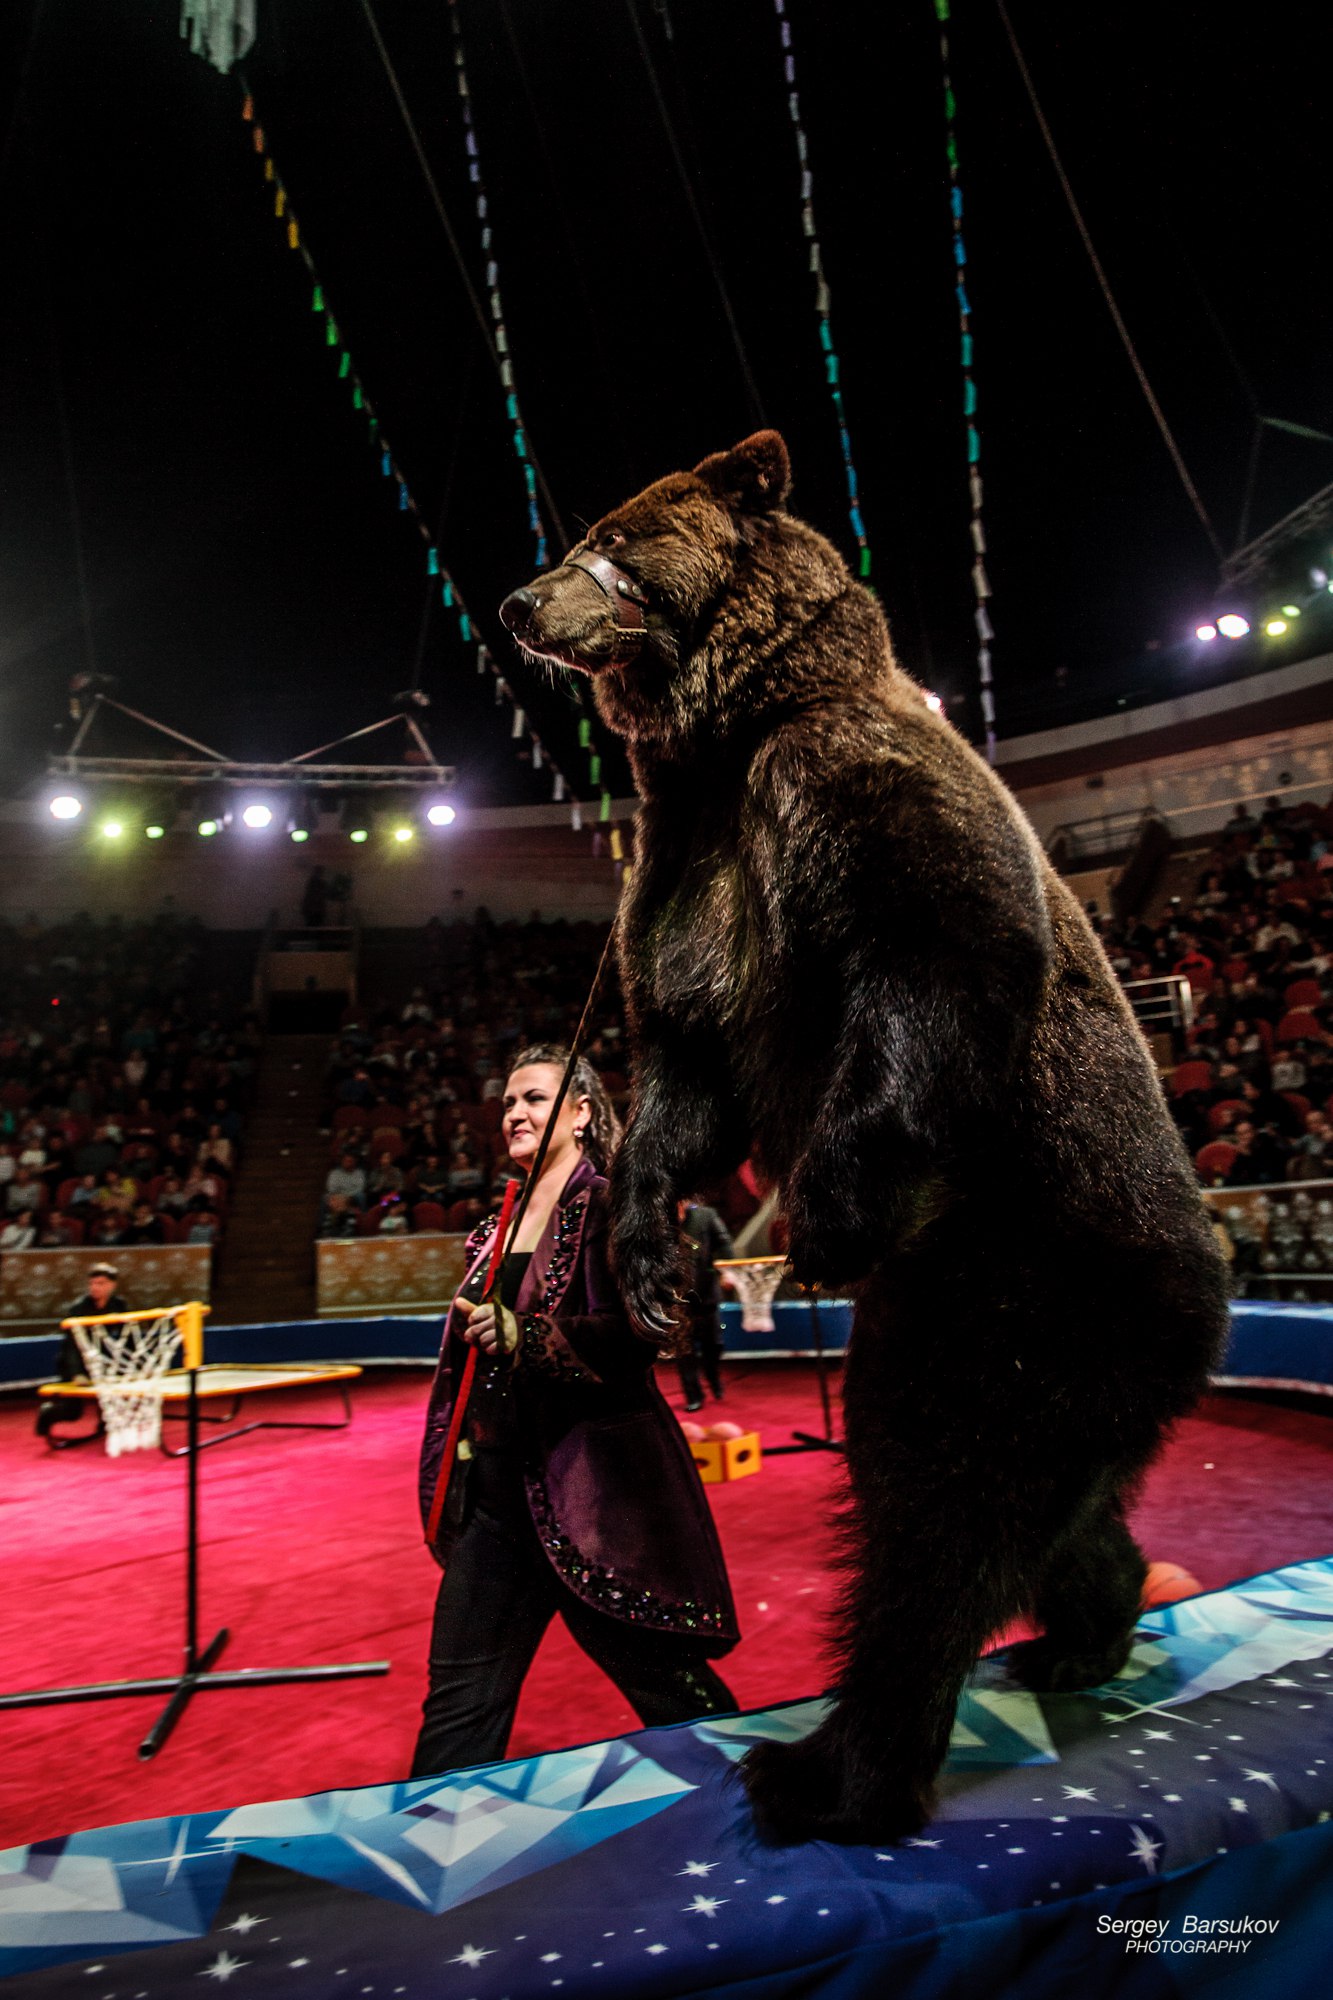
{"x":754,"y":475}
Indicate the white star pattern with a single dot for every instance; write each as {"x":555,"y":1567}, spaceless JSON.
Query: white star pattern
{"x":471,"y":1956}
{"x":1238,"y":1805}
{"x":223,"y":1968}
{"x":244,"y":1924}
{"x":698,"y":1868}
{"x":1274,"y":1682}
{"x":704,"y":1906}
{"x":775,"y":1899}
{"x":924,"y":1843}
{"x":1261,"y":1778}
{"x":656,"y":1948}
{"x":1158,"y":1736}
{"x":1081,"y":1792}
{"x":550,"y":1957}
{"x":1145,"y":1849}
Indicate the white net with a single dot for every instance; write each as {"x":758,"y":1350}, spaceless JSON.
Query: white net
{"x":126,"y":1360}
{"x":756,"y":1280}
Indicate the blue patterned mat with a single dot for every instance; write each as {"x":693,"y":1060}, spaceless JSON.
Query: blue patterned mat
{"x":1192,"y":1793}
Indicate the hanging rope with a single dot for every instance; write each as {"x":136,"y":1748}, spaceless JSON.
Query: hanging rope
{"x":832,"y":365}
{"x":391,"y":471}
{"x":1114,"y":310}
{"x":499,"y":331}
{"x":479,"y":311}
{"x":752,"y":395}
{"x":980,"y":580}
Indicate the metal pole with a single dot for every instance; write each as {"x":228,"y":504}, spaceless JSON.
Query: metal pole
{"x":192,"y":1528}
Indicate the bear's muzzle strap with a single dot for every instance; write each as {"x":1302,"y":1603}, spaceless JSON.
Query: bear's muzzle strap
{"x":628,"y":598}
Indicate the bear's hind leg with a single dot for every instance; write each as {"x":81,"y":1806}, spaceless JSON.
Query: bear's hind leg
{"x":1088,"y":1603}
{"x":930,"y":1577}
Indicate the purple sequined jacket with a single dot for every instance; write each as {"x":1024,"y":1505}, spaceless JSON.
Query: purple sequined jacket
{"x":614,"y":1494}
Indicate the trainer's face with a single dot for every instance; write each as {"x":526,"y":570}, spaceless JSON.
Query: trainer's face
{"x":100,"y":1289}
{"x":529,"y":1095}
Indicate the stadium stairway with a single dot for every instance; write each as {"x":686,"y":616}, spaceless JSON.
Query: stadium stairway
{"x":266,"y":1267}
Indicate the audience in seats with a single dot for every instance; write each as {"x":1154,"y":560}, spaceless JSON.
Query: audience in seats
{"x":1253,"y":1092}
{"x":124,"y":1072}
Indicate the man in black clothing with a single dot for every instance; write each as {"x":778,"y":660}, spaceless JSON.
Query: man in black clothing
{"x":101,"y":1297}
{"x":706,"y":1239}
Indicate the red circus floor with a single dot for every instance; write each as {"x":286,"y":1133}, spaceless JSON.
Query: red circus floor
{"x":311,"y":1552}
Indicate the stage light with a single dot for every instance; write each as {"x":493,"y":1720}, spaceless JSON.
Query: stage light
{"x":208,"y":827}
{"x":441,"y":815}
{"x":402,"y":833}
{"x":65,"y":806}
{"x":354,"y":820}
{"x":154,"y":832}
{"x":933,"y":702}
{"x":298,"y":834}
{"x":1232,"y":626}
{"x":112,"y":829}
{"x":1205,"y":632}
{"x":1291,"y":611}
{"x":1275,"y":627}
{"x":257,"y":816}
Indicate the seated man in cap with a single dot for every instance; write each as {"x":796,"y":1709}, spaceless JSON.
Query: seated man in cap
{"x":101,"y":1297}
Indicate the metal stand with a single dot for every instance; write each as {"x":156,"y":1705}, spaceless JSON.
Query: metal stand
{"x":804,"y":1441}
{"x":196,"y":1675}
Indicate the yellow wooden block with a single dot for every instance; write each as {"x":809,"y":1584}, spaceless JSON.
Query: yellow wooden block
{"x":707,"y":1455}
{"x":741,"y":1456}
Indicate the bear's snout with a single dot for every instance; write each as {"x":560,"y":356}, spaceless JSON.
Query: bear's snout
{"x":517,"y":609}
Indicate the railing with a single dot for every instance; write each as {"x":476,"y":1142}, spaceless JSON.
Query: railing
{"x":1162,"y":1004}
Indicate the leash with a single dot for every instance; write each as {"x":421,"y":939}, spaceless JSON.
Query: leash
{"x":512,"y":1211}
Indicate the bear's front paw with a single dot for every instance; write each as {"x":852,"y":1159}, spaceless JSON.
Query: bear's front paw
{"x":1045,"y":1668}
{"x":806,"y":1791}
{"x":647,"y":1265}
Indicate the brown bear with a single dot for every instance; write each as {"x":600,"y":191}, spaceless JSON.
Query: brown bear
{"x":843,"y":949}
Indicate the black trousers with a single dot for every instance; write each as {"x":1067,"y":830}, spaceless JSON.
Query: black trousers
{"x":704,"y":1350}
{"x":496,"y":1599}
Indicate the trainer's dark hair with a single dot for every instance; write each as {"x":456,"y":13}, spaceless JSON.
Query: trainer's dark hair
{"x":603,"y":1135}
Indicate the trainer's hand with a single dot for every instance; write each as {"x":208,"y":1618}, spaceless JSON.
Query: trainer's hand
{"x":492,"y":1327}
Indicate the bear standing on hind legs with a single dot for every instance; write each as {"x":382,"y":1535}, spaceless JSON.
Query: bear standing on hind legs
{"x":842,"y":947}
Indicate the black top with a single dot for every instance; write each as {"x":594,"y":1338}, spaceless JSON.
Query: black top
{"x":491,"y":1421}
{"x":71,"y":1361}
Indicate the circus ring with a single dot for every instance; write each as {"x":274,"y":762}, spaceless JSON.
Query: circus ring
{"x":1192,"y":1795}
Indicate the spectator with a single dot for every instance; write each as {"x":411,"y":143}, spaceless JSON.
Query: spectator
{"x":338,"y":1217}
{"x":20,"y":1232}
{"x":24,"y":1191}
{"x":465,"y":1175}
{"x":101,"y":1299}
{"x":385,"y":1177}
{"x":143,"y":1226}
{"x":347,"y":1178}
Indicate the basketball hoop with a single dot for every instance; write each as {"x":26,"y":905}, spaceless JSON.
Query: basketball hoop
{"x":127,"y":1356}
{"x":756,"y":1280}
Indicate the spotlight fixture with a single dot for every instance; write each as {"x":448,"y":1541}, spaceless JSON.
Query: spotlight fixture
{"x":257,"y":815}
{"x":112,"y":829}
{"x":1291,"y":611}
{"x":403,"y":834}
{"x":1275,"y":627}
{"x":65,"y":805}
{"x":208,"y":827}
{"x":154,"y":832}
{"x":1232,"y":626}
{"x":354,"y":820}
{"x":303,"y":818}
{"x":1205,"y":632}
{"x":440,"y":814}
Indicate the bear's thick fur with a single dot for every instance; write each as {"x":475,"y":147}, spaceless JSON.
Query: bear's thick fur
{"x":843,"y":947}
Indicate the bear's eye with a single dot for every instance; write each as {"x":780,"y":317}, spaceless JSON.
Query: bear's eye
{"x":613,"y":539}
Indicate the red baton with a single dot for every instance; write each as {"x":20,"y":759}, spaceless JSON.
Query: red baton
{"x":469,"y":1370}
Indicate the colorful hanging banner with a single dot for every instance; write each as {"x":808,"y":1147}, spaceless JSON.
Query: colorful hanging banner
{"x":980,"y":580}
{"x":832,"y":364}
{"x":518,"y":434}
{"x":451,"y":596}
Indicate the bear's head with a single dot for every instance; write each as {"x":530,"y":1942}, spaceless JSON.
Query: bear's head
{"x":636,"y":599}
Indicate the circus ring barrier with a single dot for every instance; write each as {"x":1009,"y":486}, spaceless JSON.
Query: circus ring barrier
{"x":1171,"y":1831}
